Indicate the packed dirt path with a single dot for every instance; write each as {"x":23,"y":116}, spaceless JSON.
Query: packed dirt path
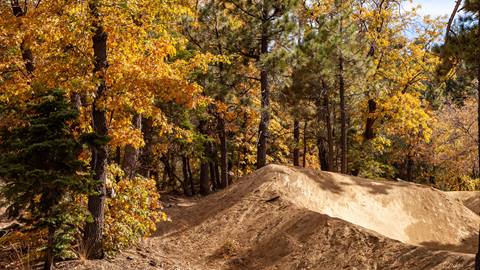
{"x":283,"y":217}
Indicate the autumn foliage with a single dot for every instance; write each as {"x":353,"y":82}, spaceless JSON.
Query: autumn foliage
{"x":184,"y":96}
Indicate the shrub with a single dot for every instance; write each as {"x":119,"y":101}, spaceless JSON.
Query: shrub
{"x":132,"y":213}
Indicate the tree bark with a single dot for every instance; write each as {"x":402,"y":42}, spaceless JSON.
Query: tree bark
{"x":343,"y":117}
{"x":223,"y":153}
{"x":96,"y":203}
{"x":48,"y":264}
{"x":186,"y":177}
{"x":27,"y":55}
{"x":296,"y":141}
{"x":322,"y":153}
{"x":328,"y":123}
{"x":204,"y":162}
{"x":130,"y":159}
{"x":305,"y":143}
{"x":265,"y":100}
{"x":146,"y":153}
{"x":369,"y":131}
{"x":190,"y":176}
{"x":204,"y":183}
{"x":213,"y":176}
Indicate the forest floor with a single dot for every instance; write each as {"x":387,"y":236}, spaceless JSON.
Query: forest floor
{"x":283,"y":217}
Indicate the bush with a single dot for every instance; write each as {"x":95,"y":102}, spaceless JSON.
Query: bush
{"x":132,"y":213}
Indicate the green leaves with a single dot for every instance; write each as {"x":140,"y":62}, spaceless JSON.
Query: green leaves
{"x":42,"y":169}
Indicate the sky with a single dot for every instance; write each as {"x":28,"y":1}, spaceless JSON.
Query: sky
{"x":434,"y":7}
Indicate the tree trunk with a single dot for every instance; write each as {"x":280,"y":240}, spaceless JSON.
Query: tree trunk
{"x":322,"y":154}
{"x":146,"y":153}
{"x":343,"y":117}
{"x":305,"y":144}
{"x":296,"y":141}
{"x":204,"y":183}
{"x":96,"y":203}
{"x":130,"y":159}
{"x":223,"y":153}
{"x":217,"y":173}
{"x":186,"y":177}
{"x":369,"y":132}
{"x":169,"y":169}
{"x":328,"y":125}
{"x":265,"y":100}
{"x":27,"y":55}
{"x":214,"y":171}
{"x":49,"y":257}
{"x":213,"y":176}
{"x":190,"y":177}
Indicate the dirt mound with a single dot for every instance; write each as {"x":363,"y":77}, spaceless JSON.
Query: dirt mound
{"x":290,"y":218}
{"x":471,"y":199}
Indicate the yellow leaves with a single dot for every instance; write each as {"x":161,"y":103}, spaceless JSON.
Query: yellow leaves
{"x":122,"y":133}
{"x":132,"y":213}
{"x":407,"y":117}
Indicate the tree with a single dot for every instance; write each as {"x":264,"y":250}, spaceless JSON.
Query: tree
{"x":96,"y":202}
{"x":262,"y":25}
{"x":42,"y":171}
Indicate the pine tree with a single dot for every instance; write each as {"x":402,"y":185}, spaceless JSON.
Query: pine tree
{"x":43,"y":173}
{"x":263,"y":27}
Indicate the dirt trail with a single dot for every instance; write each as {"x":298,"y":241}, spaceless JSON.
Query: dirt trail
{"x":290,"y":218}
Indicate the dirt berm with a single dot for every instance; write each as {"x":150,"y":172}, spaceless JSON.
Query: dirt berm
{"x":291,"y":218}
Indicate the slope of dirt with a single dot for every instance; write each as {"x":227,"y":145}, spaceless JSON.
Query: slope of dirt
{"x":471,"y":199}
{"x":290,"y":218}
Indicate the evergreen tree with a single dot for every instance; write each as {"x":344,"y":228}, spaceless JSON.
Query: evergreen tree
{"x":263,"y":28}
{"x":42,"y":171}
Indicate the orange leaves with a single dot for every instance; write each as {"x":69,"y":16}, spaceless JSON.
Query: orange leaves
{"x":122,"y":133}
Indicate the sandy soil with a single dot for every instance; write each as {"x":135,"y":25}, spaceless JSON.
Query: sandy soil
{"x":471,"y":199}
{"x":290,"y":218}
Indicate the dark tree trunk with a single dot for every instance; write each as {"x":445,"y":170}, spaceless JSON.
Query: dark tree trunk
{"x":322,"y":154}
{"x":190,"y":177}
{"x":328,"y":125}
{"x":305,"y":143}
{"x":204,"y":162}
{"x":27,"y":56}
{"x":214,"y":170}
{"x":96,"y":203}
{"x":17,"y":9}
{"x":217,"y":174}
{"x":369,"y":132}
{"x":146,"y":160}
{"x":409,"y":169}
{"x":244,"y":149}
{"x":223,"y":153}
{"x":213,"y":176}
{"x":169,"y":169}
{"x":186,"y":177}
{"x":296,"y":142}
{"x":343,"y":117}
{"x":130,"y":159}
{"x":265,"y":100}
{"x":76,"y":100}
{"x":204,"y":183}
{"x":49,"y":257}
{"x":118,"y":155}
